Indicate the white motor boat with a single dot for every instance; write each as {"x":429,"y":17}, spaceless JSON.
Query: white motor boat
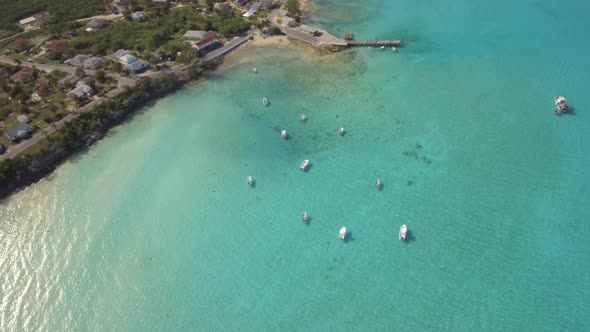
{"x":304,"y":217}
{"x":304,"y":164}
{"x":560,"y":104}
{"x":342,"y":233}
{"x":394,"y":49}
{"x":254,"y":69}
{"x":264,"y":101}
{"x":249,"y":181}
{"x":402,"y":232}
{"x":382,"y":47}
{"x":378,"y":184}
{"x":302,"y":118}
{"x":341,"y":131}
{"x":284,"y":133}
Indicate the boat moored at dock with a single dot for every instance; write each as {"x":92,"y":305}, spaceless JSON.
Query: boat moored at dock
{"x":402,"y":232}
{"x":342,"y":233}
{"x":304,"y":164}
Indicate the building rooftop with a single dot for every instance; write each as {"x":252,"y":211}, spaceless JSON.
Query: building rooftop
{"x":27,"y":20}
{"x":195,"y":34}
{"x":18,"y":131}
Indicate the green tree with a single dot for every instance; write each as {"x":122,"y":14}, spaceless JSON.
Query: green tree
{"x":100,"y":76}
{"x":293,"y":9}
{"x":80,"y":72}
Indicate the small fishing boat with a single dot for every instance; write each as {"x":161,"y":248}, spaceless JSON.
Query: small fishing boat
{"x":342,"y":233}
{"x":394,"y":49}
{"x":378,"y":184}
{"x":402,"y":232}
{"x":264,"y":101}
{"x":249,"y":181}
{"x":284,"y":133}
{"x":341,"y":131}
{"x":304,"y":164}
{"x":302,"y":118}
{"x":304,"y":217}
{"x":254,"y":69}
{"x":561,"y":105}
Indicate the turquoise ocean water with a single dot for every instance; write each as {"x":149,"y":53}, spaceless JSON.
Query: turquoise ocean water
{"x":154,"y":228}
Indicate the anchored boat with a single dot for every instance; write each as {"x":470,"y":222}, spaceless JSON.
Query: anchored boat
{"x":304,"y":217}
{"x":249,"y":181}
{"x":402,"y":232}
{"x":341,"y":131}
{"x":284,"y":133}
{"x":304,"y":164}
{"x":264,"y":101}
{"x":342,"y":233}
{"x":560,"y":105}
{"x":378,"y":184}
{"x":254,"y":69}
{"x":302,"y":118}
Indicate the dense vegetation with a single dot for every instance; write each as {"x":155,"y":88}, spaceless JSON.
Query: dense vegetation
{"x":293,"y":9}
{"x":30,"y":167}
{"x":61,"y":10}
{"x":158,"y":30}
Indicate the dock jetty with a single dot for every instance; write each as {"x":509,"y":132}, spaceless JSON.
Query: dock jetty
{"x":318,"y":38}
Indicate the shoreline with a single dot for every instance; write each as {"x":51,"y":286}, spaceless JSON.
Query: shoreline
{"x":47,"y":167}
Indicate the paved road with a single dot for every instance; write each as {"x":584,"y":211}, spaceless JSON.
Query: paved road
{"x":230,"y":45}
{"x":108,"y":17}
{"x":121,"y":83}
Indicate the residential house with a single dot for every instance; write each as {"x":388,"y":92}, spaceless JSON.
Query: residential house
{"x":118,"y":54}
{"x":81,"y":91}
{"x":133,"y":64}
{"x":43,"y":88}
{"x":85,"y":61}
{"x":96,"y":23}
{"x":20,"y":44}
{"x":195,"y":35}
{"x":27,"y":21}
{"x":254,"y":7}
{"x":18,"y":131}
{"x":22,"y":76}
{"x":207,"y":42}
{"x":56,"y":45}
{"x":138,"y":16}
{"x":222,"y":7}
{"x":23,"y":118}
{"x":267,"y":4}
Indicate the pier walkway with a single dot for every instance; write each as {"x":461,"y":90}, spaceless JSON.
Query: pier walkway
{"x":317,"y":37}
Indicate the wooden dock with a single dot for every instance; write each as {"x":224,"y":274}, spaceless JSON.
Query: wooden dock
{"x":386,"y":42}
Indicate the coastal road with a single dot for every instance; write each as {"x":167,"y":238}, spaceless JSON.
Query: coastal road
{"x":122,"y":82}
{"x":230,"y":45}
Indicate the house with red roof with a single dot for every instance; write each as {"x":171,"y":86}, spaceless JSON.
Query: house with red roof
{"x":20,"y":44}
{"x":23,"y":76}
{"x":56,"y":45}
